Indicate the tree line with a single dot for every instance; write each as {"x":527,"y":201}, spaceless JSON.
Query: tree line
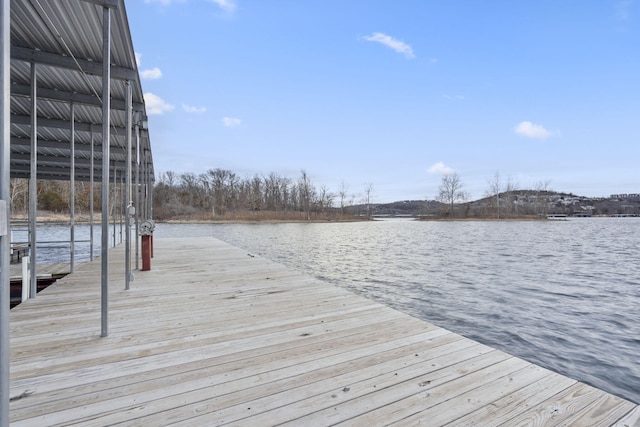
{"x":223,"y":194}
{"x":220,"y":194}
{"x":215,"y":194}
{"x":53,"y":196}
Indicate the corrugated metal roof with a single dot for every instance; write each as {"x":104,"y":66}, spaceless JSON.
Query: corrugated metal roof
{"x":64,"y":39}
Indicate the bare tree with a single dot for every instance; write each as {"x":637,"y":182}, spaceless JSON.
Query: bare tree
{"x":451,"y":191}
{"x":219,"y":184}
{"x":170,"y":178}
{"x":19,"y":194}
{"x":287,"y":193}
{"x":307,"y":192}
{"x":495,"y":188}
{"x":368,"y":193}
{"x":256,"y":193}
{"x":325,"y":199}
{"x":343,"y":195}
{"x":543,"y":191}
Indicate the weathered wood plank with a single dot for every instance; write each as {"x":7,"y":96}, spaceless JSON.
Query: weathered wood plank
{"x":605,"y":410}
{"x":482,"y":396}
{"x":239,"y":389}
{"x":55,"y":269}
{"x":243,"y":371}
{"x":384,"y":403}
{"x":277,"y":403}
{"x":514,"y":403}
{"x":632,"y":419}
{"x":560,"y":409}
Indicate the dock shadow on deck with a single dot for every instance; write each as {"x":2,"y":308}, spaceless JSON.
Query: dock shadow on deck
{"x":213,"y":336}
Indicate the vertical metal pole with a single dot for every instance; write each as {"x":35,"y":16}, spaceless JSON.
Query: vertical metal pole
{"x":127,"y":191}
{"x":5,"y":240}
{"x":115,"y":200}
{"x":137,"y":196}
{"x":33,"y":182}
{"x":91,"y":177}
{"x":72,"y":195}
{"x":106,"y":154}
{"x":120,"y":207}
{"x":143,"y":188}
{"x":146,"y":182}
{"x":25,"y":279}
{"x":142,"y":207}
{"x":150,"y":177}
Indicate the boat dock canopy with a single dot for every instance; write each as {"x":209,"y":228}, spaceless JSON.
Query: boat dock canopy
{"x":64,"y":40}
{"x":72,"y":108}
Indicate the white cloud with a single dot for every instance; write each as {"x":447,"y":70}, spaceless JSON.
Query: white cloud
{"x":156,"y":105}
{"x":440,"y":169}
{"x":392,"y":43}
{"x":231,"y":122}
{"x":151,"y":74}
{"x":454,"y":97}
{"x":531,"y":130}
{"x":191,"y":109}
{"x":226,"y":5}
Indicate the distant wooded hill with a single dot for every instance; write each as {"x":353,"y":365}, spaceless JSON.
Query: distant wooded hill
{"x":521,"y":203}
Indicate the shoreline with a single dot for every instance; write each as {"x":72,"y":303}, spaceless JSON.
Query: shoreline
{"x":61,"y":219}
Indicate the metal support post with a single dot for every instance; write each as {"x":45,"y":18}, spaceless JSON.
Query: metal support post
{"x":115,"y":200}
{"x":91,"y":207}
{"x":25,"y":279}
{"x":72,"y":192}
{"x":106,"y":155}
{"x":33,"y":182}
{"x":137,"y":216}
{"x":127,"y":191}
{"x":145,"y":186}
{"x":5,"y":208}
{"x":150,"y":186}
{"x":120,"y":208}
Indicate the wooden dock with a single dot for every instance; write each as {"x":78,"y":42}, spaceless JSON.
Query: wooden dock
{"x":55,"y":270}
{"x":213,"y":335}
{"x":45,"y":275}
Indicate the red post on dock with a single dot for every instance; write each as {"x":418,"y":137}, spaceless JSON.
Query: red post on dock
{"x":146,"y":253}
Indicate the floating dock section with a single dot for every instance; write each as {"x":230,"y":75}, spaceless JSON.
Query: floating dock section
{"x":212,"y":335}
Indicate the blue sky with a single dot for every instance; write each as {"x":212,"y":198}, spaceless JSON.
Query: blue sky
{"x":396,"y":93}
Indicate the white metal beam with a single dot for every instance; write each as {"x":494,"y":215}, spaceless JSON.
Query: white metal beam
{"x":5,"y":205}
{"x":94,"y":68}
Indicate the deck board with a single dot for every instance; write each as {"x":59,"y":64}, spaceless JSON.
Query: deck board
{"x":55,"y":269}
{"x":214,"y":336}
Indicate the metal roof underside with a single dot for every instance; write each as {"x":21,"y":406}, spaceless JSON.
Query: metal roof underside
{"x":64,"y":39}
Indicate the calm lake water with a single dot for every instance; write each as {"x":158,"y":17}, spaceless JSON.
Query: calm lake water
{"x":562,"y":294}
